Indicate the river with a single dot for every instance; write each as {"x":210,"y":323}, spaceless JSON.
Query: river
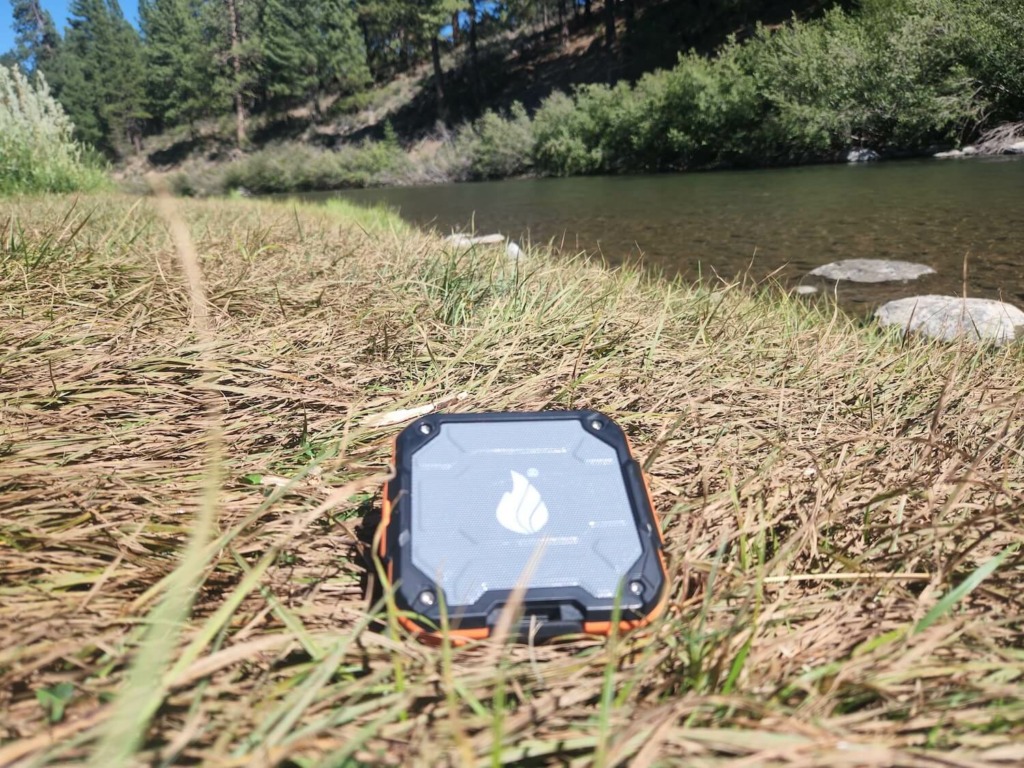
{"x":950,"y":215}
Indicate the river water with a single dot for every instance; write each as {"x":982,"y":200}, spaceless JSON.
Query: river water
{"x":946,"y":214}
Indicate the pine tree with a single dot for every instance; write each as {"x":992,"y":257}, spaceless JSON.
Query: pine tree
{"x":394,"y":25}
{"x":289,"y":62}
{"x":309,"y":49}
{"x":231,"y":29}
{"x":341,"y":54}
{"x":97,"y":76}
{"x":178,"y":62}
{"x":35,"y":36}
{"x":387,"y":26}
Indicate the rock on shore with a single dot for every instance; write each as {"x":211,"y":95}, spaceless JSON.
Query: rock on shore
{"x":872,"y":270}
{"x":861,"y":155}
{"x":460,"y":240}
{"x":950,"y":317}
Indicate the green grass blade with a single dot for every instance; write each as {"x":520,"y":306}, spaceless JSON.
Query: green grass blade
{"x":961,"y":590}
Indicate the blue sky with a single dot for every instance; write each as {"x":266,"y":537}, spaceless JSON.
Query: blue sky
{"x":59,"y":10}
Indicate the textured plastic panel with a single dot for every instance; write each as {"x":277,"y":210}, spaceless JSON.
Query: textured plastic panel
{"x":494,"y":504}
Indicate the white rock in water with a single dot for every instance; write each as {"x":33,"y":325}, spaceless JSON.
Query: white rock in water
{"x":970,"y":151}
{"x":461,"y":239}
{"x":949,"y":318}
{"x":1017,"y":148}
{"x":872,"y":270}
{"x":806,"y":290}
{"x":862,"y":156}
{"x":513,"y":250}
{"x":953,"y":153}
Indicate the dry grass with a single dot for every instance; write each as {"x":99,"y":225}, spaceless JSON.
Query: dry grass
{"x":842,"y":508}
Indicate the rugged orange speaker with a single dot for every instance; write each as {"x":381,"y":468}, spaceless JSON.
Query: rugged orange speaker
{"x":551,"y":503}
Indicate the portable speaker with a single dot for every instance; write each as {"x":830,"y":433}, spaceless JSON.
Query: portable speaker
{"x":552,"y":503}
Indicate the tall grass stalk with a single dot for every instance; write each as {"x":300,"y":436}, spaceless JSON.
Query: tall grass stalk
{"x":144,"y":689}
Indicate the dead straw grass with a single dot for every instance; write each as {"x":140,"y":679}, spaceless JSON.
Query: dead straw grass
{"x":842,"y":507}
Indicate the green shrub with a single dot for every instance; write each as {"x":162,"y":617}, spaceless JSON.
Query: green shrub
{"x":702,"y":112}
{"x":353,"y":104}
{"x":897,"y":74}
{"x":495,"y":146}
{"x":891,"y":77}
{"x":564,"y":139}
{"x":297,"y":167}
{"x":989,"y":39}
{"x":37,"y":151}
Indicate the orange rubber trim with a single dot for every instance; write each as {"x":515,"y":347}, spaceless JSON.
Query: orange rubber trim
{"x":385,"y":507}
{"x":605,"y":627}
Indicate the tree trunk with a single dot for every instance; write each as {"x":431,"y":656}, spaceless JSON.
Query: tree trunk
{"x":370,"y":61}
{"x":236,"y":67}
{"x":435,"y":56}
{"x":609,"y":23}
{"x":629,"y":11}
{"x":472,"y":33}
{"x":563,"y":29}
{"x":455,"y":28}
{"x":475,"y":75}
{"x":403,"y":50}
{"x":586,"y":10}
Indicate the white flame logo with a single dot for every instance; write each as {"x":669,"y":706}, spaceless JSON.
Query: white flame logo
{"x":522,"y":510}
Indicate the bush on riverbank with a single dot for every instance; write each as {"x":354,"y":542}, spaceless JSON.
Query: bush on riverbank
{"x":37,"y":151}
{"x":901,"y":75}
{"x":190,"y":482}
{"x":896,"y":76}
{"x":493,"y":147}
{"x":295,"y":167}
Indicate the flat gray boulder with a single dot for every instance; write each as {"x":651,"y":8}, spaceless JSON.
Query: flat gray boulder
{"x":872,"y":270}
{"x":949,"y":318}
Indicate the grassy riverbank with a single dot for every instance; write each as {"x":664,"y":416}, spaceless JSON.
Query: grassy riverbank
{"x":189,"y":479}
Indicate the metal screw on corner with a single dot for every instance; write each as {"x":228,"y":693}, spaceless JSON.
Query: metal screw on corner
{"x":636,"y":587}
{"x":426,"y":429}
{"x":427,"y":598}
{"x":596,"y":424}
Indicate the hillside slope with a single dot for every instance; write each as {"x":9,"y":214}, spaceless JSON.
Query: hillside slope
{"x":524,"y":67}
